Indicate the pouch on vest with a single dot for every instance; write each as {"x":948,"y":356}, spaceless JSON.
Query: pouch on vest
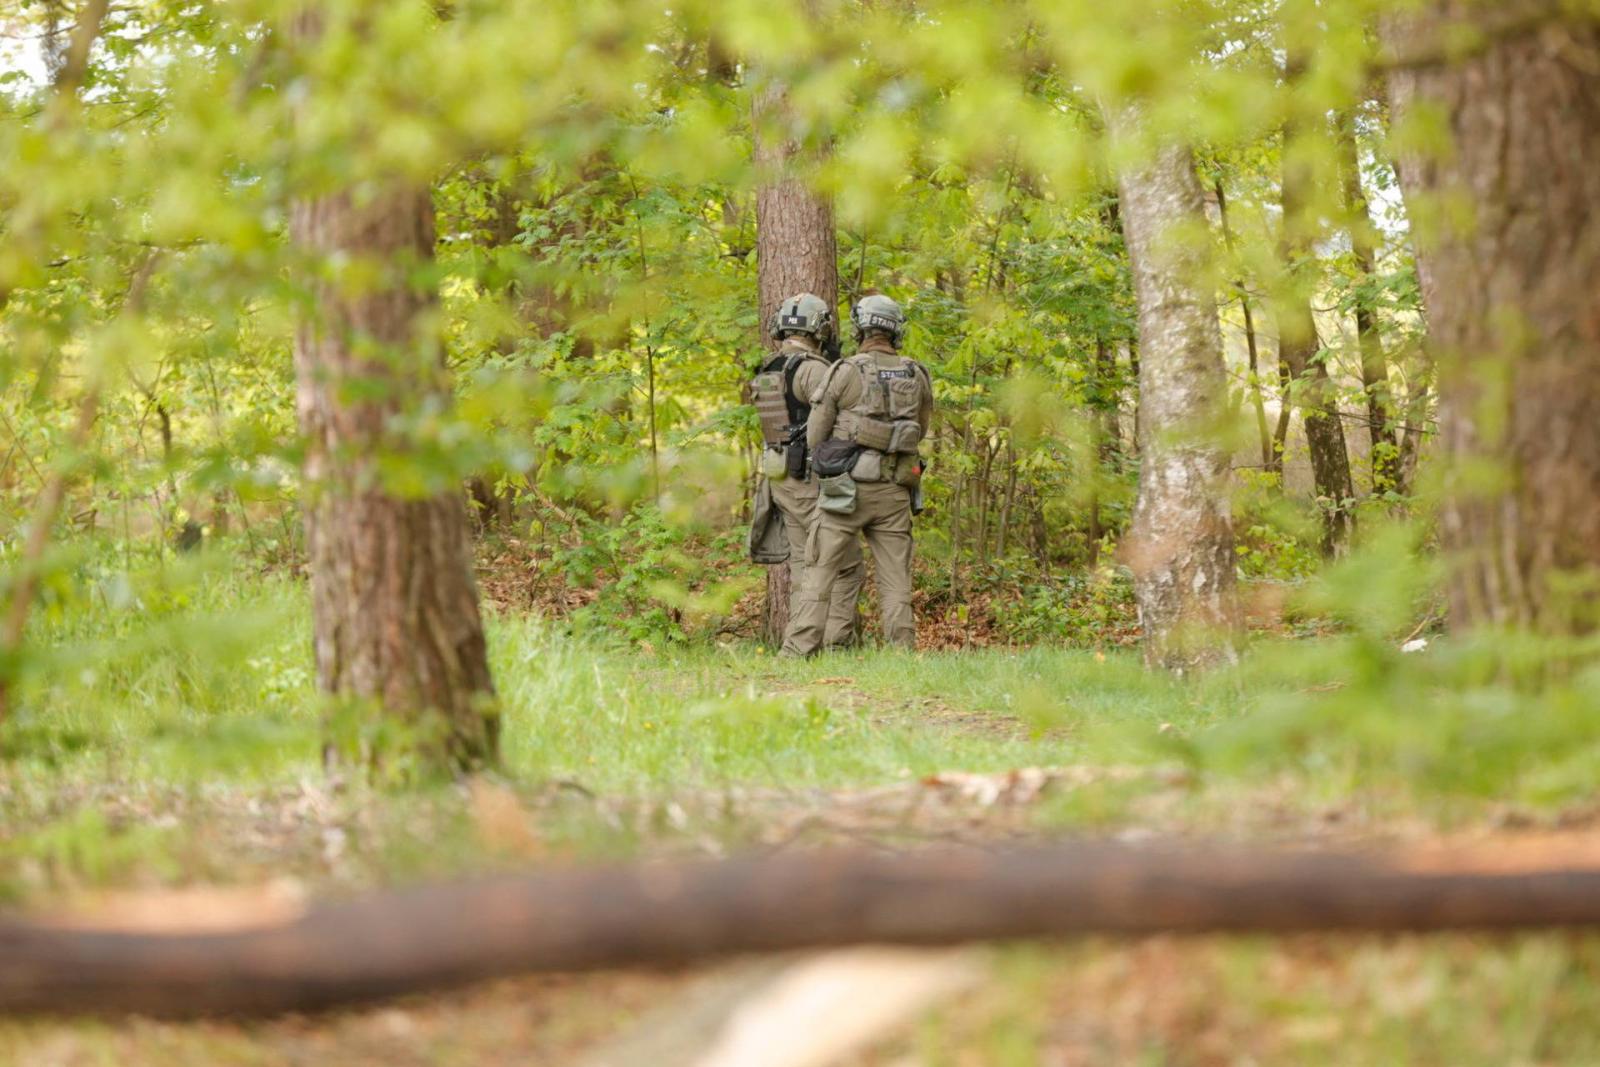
{"x":905,"y":395}
{"x":834,"y":457}
{"x":905,"y":437}
{"x":774,"y":464}
{"x":873,"y":433}
{"x":874,"y":402}
{"x":766,"y":393}
{"x":908,"y":472}
{"x":868,"y":467}
{"x":837,"y":494}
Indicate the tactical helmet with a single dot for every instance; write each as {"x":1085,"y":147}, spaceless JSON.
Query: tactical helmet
{"x":878,"y":312}
{"x":802,"y":313}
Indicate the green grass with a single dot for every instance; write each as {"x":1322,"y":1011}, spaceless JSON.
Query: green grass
{"x":204,"y":675}
{"x":165,"y":723}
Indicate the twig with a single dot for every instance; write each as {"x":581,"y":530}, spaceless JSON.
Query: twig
{"x":1427,"y":621}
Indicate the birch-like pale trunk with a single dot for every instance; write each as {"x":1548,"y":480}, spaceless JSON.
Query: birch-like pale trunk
{"x":1180,"y":548}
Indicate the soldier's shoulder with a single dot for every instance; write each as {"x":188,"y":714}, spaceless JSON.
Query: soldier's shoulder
{"x":809,"y":372}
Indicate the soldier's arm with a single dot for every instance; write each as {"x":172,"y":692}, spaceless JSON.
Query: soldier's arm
{"x":925,"y":412}
{"x":809,"y":378}
{"x":825,"y":404}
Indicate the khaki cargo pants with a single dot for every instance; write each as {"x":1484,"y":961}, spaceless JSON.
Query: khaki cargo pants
{"x":798,"y":502}
{"x":883,"y":514}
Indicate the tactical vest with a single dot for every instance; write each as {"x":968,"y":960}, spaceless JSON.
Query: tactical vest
{"x":884,"y":417}
{"x":783,"y":415}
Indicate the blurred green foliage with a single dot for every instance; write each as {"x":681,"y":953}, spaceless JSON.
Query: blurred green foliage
{"x":594,"y":191}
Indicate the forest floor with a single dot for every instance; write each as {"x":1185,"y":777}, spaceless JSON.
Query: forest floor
{"x":168,"y":779}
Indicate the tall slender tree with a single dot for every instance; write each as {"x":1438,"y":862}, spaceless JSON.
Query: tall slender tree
{"x":1510,"y":301}
{"x":1180,"y":547}
{"x":796,"y":252}
{"x":1269,"y":452}
{"x":1383,"y":437}
{"x":1299,"y":345}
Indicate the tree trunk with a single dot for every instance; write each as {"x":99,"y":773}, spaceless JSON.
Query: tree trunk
{"x":1515,"y":326}
{"x":394,"y":604}
{"x":1415,"y":413}
{"x":1107,"y":437}
{"x":796,"y":252}
{"x":1384,"y":456}
{"x":1298,"y":345}
{"x":1280,"y":430}
{"x":1256,"y":399}
{"x":1180,"y":548}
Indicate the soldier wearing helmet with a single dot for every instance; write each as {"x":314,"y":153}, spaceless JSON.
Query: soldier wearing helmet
{"x":806,"y":339}
{"x":868,"y":415}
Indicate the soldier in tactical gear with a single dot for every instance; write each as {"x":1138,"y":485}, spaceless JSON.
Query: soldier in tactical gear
{"x":868,"y":415}
{"x":807,"y":344}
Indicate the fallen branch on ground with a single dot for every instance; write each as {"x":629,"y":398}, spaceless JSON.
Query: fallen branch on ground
{"x":432,"y":938}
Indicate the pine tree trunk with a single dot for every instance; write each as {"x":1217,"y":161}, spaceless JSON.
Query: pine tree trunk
{"x":1180,"y":548}
{"x":796,"y":252}
{"x":394,"y":605}
{"x":1512,"y":310}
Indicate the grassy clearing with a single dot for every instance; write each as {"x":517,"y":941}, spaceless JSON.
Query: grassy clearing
{"x":203,"y":677}
{"x":173,"y":736}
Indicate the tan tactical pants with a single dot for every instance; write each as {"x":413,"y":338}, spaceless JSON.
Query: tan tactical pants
{"x":798,"y":502}
{"x":883,"y":514}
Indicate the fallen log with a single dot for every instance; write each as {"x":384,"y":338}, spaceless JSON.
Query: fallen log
{"x":442,"y":936}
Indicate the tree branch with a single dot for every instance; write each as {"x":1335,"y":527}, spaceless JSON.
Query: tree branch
{"x":431,"y":938}
{"x":76,"y":65}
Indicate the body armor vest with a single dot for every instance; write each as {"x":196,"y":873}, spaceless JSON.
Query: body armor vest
{"x":783,"y":415}
{"x":884,"y":418}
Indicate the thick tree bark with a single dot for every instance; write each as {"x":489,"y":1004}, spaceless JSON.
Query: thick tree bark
{"x":1181,"y":545}
{"x":1514,"y":320}
{"x":1297,"y":337}
{"x":796,"y":252}
{"x":1382,"y":434}
{"x":394,"y":604}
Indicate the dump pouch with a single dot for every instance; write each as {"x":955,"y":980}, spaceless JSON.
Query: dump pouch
{"x":837,"y":494}
{"x":768,"y":542}
{"x":905,"y":437}
{"x":834,"y":457}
